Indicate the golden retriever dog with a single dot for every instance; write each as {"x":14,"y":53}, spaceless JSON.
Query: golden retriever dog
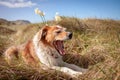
{"x":46,"y":48}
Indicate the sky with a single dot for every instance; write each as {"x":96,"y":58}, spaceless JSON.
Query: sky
{"x":24,"y":9}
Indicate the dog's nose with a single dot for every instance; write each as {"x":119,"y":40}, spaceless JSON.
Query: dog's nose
{"x":70,"y":35}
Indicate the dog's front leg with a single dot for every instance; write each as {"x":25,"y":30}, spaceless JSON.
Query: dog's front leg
{"x":75,"y":67}
{"x":67,"y":70}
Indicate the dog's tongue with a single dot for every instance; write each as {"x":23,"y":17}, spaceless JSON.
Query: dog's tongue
{"x":60,"y":47}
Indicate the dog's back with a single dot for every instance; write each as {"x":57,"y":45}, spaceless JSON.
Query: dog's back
{"x":24,"y":52}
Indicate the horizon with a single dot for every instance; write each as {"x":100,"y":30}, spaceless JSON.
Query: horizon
{"x":24,"y":9}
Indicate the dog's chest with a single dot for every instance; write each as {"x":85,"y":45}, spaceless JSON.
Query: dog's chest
{"x":48,"y":56}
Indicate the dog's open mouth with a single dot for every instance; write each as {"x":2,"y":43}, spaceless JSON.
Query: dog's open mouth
{"x":59,"y":46}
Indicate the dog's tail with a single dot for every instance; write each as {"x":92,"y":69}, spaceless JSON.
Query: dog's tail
{"x":10,"y":53}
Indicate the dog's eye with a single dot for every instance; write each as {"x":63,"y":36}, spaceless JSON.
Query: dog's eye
{"x":58,"y":32}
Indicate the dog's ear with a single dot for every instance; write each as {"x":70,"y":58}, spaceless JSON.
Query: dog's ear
{"x":43,"y":32}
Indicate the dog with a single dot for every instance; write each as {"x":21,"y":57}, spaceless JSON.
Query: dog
{"x":46,"y":48}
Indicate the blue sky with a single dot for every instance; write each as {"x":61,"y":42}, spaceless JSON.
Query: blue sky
{"x":24,"y":9}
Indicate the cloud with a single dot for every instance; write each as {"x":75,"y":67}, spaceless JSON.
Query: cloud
{"x":17,"y":3}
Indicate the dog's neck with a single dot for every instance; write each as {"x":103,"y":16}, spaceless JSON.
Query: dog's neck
{"x":42,"y":50}
{"x":43,"y":45}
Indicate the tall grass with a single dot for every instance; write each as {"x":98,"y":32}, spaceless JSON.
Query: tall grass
{"x":95,"y":45}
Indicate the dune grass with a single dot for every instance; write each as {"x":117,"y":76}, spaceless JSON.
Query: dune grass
{"x":95,"y":45}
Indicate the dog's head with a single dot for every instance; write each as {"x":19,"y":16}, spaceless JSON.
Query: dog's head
{"x":54,"y":36}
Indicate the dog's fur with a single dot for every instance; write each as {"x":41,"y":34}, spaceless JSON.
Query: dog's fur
{"x":42,"y":50}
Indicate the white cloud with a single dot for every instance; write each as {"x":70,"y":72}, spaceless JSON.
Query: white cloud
{"x":17,"y":3}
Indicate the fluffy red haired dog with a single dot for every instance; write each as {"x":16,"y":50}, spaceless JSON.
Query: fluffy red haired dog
{"x":47,"y":48}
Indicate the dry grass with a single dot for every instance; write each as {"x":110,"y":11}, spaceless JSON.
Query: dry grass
{"x":95,"y":45}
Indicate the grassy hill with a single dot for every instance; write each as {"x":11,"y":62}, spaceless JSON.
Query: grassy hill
{"x":95,"y":45}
